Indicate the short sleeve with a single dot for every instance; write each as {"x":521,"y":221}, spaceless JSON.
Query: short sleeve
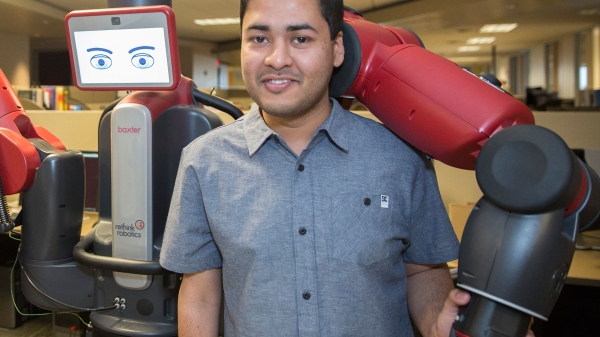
{"x":188,"y":244}
{"x":431,"y":236}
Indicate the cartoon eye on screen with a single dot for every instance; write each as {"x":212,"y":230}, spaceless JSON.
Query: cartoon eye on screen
{"x":100,"y":61}
{"x":140,"y":52}
{"x":142,"y":60}
{"x":139,"y":60}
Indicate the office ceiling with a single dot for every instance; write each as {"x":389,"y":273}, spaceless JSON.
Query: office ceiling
{"x":443,"y":25}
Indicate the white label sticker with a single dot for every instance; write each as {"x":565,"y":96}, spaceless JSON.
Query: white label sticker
{"x":385,"y":201}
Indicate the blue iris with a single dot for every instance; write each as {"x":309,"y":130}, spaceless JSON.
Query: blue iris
{"x":142,"y":60}
{"x":101,"y":61}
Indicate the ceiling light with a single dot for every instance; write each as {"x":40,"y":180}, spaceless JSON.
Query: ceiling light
{"x":481,"y":40}
{"x":220,"y":21}
{"x":499,"y":28}
{"x":463,"y":49}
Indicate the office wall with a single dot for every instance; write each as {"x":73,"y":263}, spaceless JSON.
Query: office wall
{"x":537,"y":67}
{"x":596,"y":58}
{"x":186,"y":61}
{"x":205,"y":71}
{"x":14,"y":60}
{"x":223,"y":76}
{"x":566,"y":67}
{"x":502,"y":71}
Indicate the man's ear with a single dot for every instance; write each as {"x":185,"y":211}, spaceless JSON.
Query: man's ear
{"x":338,"y":50}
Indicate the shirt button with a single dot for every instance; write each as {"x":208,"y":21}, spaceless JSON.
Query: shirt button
{"x":367,"y":201}
{"x":300,"y":167}
{"x":306,"y":295}
{"x":302,"y":231}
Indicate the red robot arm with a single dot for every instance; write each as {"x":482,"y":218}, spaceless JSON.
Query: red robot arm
{"x":18,"y":158}
{"x":429,"y":101}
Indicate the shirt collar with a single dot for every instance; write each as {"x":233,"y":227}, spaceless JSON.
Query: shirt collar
{"x":257,"y":132}
{"x":336,"y":126}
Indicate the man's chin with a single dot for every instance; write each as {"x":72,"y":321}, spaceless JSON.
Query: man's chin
{"x":282,"y":102}
{"x":279,"y":110}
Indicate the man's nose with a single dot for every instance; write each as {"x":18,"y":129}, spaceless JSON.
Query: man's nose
{"x":280,"y":56}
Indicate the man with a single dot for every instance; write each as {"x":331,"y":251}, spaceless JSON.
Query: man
{"x":312,"y":220}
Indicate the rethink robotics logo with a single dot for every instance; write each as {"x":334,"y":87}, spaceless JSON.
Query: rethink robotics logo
{"x":130,"y":230}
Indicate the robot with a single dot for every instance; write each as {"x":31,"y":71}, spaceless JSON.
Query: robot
{"x":517,"y":244}
{"x":519,"y":240}
{"x":58,"y":270}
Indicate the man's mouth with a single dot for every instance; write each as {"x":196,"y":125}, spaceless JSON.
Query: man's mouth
{"x":278,"y":81}
{"x":278,"y":85}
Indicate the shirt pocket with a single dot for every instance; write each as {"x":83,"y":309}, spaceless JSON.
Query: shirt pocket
{"x":361,"y":228}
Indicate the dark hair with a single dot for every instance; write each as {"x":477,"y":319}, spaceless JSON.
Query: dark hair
{"x":331,"y":10}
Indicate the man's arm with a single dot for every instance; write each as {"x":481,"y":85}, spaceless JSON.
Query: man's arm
{"x":199,"y":304}
{"x":428,"y":287}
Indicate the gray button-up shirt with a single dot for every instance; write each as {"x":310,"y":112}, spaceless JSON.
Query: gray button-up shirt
{"x":309,"y":245}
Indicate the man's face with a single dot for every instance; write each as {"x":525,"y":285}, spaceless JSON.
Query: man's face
{"x":288,"y":56}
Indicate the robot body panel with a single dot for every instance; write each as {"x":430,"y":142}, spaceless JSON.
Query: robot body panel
{"x":406,"y":36}
{"x":53,"y":212}
{"x":177,"y":126}
{"x":131,"y":139}
{"x":61,"y":287}
{"x":53,"y":206}
{"x":519,"y":258}
{"x":151,"y":312}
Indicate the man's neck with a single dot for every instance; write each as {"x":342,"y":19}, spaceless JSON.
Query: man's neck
{"x":298,"y":131}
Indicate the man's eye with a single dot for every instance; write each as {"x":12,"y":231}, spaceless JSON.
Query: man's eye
{"x":260,"y":39}
{"x":302,"y":39}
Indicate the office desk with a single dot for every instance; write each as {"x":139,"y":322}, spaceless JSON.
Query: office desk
{"x":89,"y":219}
{"x":585,"y":266}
